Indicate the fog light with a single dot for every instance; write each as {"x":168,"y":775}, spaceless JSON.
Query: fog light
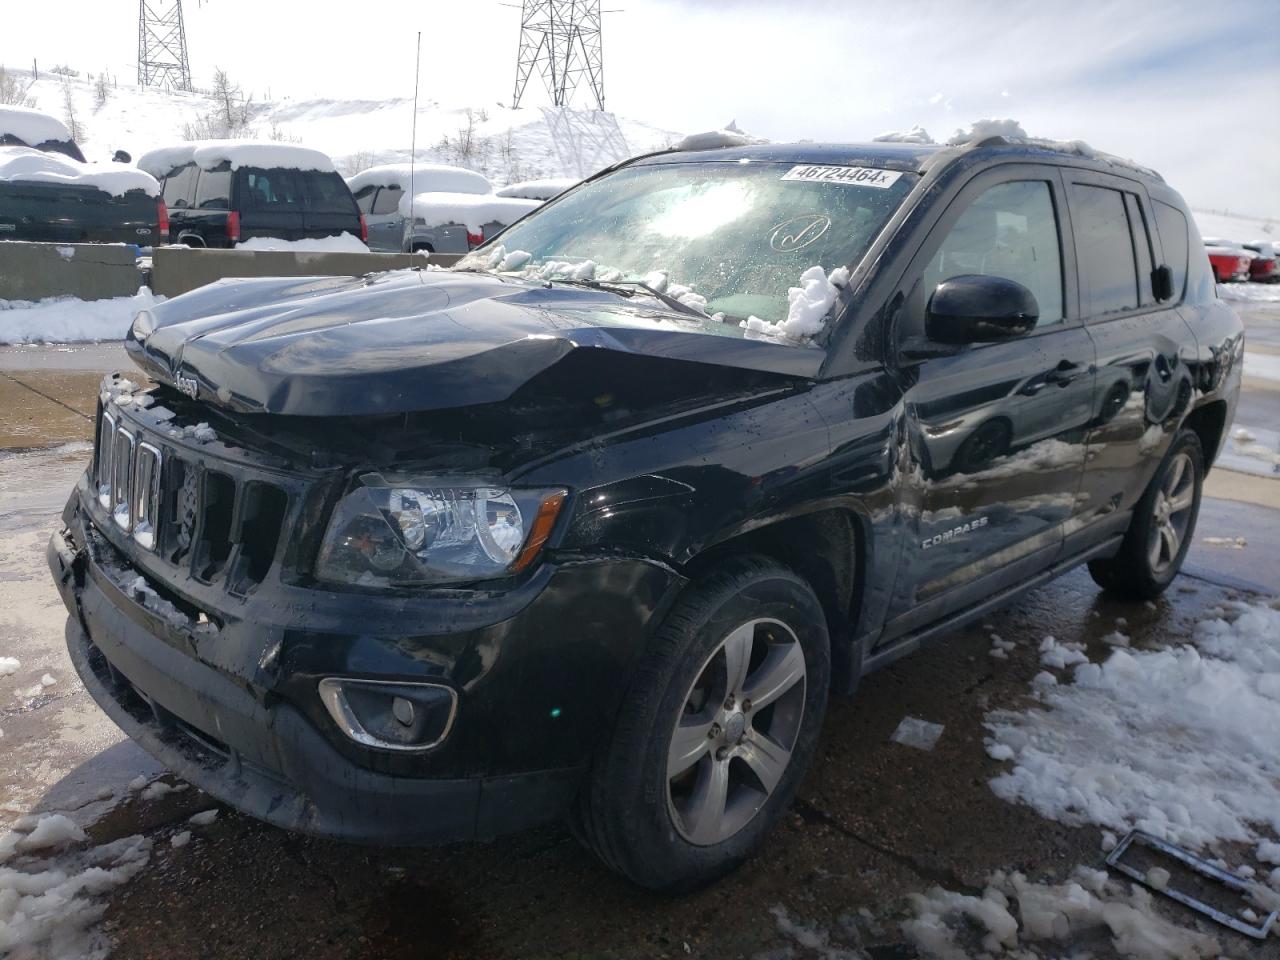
{"x":389,"y":714}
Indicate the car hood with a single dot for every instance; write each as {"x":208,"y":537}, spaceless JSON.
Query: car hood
{"x":412,"y":340}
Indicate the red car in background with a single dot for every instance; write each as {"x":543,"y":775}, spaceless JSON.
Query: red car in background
{"x":1229,"y":262}
{"x":1265,"y":266}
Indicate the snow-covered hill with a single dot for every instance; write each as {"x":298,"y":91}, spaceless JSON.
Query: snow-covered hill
{"x":1236,"y":227}
{"x":507,"y":145}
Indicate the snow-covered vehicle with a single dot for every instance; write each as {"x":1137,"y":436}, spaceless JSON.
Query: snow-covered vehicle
{"x":379,"y":190}
{"x":1229,"y":260}
{"x":441,"y":222}
{"x":538,"y":189}
{"x":591,"y":525}
{"x":222,"y":192}
{"x":24,"y":127}
{"x":49,"y":197}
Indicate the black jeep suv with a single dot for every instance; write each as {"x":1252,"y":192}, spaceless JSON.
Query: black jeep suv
{"x":592,"y":524}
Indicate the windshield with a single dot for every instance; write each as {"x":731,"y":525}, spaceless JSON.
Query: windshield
{"x":740,"y":235}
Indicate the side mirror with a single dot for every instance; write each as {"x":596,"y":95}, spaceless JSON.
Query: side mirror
{"x":979,"y":309}
{"x":122,"y":156}
{"x":1162,"y":283}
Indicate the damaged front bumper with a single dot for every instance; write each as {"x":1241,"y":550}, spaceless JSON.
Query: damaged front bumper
{"x":230,"y":702}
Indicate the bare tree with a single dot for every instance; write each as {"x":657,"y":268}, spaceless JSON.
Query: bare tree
{"x":230,"y":116}
{"x":466,"y":148}
{"x":69,"y":116}
{"x":13,"y":92}
{"x":101,"y":91}
{"x":354,"y":163}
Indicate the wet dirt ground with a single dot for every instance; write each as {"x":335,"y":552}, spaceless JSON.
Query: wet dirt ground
{"x":874,"y":821}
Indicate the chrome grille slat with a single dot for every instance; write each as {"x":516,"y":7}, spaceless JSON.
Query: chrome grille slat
{"x":106,"y":446}
{"x":144,"y":498}
{"x":121,"y":479}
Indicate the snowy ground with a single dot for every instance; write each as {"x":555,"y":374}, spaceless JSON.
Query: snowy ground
{"x":68,"y":320}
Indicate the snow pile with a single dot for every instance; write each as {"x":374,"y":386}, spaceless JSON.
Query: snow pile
{"x":1014,"y":912}
{"x":66,"y":319}
{"x":472,"y":210}
{"x":22,"y":164}
{"x":730,"y":136}
{"x":427,"y":178}
{"x":807,"y":307}
{"x":991,"y":127}
{"x":50,"y":891}
{"x":1178,"y":742}
{"x":538,"y":189}
{"x":31,"y":126}
{"x":343,"y":243}
{"x":1250,"y":292}
{"x":263,"y":155}
{"x":916,"y":134}
{"x":9,"y":665}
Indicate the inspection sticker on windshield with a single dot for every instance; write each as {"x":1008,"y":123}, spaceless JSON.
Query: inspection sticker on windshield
{"x":855,"y":176}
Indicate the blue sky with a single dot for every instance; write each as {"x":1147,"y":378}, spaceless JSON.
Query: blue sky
{"x":1189,"y":88}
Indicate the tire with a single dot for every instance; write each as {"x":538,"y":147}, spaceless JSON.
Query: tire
{"x":1164,"y":521}
{"x":658,"y":827}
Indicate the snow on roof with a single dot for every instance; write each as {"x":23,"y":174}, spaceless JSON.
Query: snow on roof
{"x":1227,"y":249}
{"x":31,"y":126}
{"x":28,"y":165}
{"x":437,"y":209}
{"x":427,"y":178}
{"x":916,"y":134}
{"x":992,"y":127}
{"x":208,"y":154}
{"x":730,"y":136}
{"x":538,"y":189}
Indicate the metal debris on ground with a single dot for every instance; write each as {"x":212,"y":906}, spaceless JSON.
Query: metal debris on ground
{"x":917,"y":733}
{"x":1157,"y":879}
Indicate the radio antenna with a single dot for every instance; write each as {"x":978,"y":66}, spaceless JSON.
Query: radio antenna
{"x":413,"y":139}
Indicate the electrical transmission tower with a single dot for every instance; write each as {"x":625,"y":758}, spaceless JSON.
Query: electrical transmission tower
{"x":560,"y":40}
{"x":162,"y":46}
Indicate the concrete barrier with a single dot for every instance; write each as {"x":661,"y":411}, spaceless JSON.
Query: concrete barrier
{"x":176,"y":270}
{"x":89,"y":271}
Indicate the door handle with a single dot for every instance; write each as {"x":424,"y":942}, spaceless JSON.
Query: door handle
{"x":1064,"y":373}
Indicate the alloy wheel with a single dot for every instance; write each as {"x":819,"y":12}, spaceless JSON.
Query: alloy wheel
{"x":733,"y":738}
{"x":1171,"y":513}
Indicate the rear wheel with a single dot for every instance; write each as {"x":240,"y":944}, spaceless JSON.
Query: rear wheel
{"x":715,"y":732}
{"x":1163,"y":524}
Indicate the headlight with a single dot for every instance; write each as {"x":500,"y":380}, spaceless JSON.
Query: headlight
{"x":388,"y":533}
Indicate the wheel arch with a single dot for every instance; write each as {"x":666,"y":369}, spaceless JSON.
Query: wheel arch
{"x":827,"y":547}
{"x":1209,"y":422}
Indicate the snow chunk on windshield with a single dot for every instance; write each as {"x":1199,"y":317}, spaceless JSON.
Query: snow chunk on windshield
{"x":207,"y":154}
{"x":729,"y":136}
{"x":31,"y":126}
{"x":538,"y":189}
{"x":916,"y":134}
{"x":427,"y":178}
{"x":22,"y":164}
{"x":807,"y":307}
{"x":989,"y":127}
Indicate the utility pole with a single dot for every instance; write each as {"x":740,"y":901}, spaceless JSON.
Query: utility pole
{"x":162,"y":46}
{"x":560,"y":40}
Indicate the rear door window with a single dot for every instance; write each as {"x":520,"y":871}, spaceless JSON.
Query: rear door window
{"x":1009,"y":231}
{"x":388,"y":201}
{"x":275,"y":190}
{"x":1104,"y":250}
{"x":1173,"y":237}
{"x":213,"y":189}
{"x":179,"y":187}
{"x":325,"y":192}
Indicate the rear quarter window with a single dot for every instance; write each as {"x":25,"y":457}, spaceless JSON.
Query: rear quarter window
{"x":326,"y":193}
{"x":1173,"y":238}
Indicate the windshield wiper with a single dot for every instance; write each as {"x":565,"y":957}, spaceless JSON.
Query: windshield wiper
{"x":612,"y":285}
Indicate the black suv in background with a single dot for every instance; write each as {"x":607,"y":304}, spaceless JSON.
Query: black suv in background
{"x":221,"y":193}
{"x":591,"y":525}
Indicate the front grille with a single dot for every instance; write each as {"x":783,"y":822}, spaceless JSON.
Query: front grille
{"x":218,"y":522}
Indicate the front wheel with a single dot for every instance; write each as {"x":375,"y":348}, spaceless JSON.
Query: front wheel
{"x":715,"y":731}
{"x":1163,"y":524}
